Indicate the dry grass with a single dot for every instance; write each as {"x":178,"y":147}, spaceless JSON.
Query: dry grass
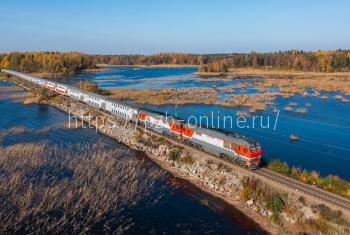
{"x":293,"y":104}
{"x":72,"y":125}
{"x":167,"y":96}
{"x":288,"y":109}
{"x":275,"y":72}
{"x":22,"y":97}
{"x":206,"y":96}
{"x":254,"y":102}
{"x":339,"y":97}
{"x":297,"y":85}
{"x":242,"y":114}
{"x":10,"y":88}
{"x":19,"y":130}
{"x":47,"y":189}
{"x":301,"y":110}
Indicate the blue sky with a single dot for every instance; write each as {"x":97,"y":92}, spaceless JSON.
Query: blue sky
{"x":152,"y":26}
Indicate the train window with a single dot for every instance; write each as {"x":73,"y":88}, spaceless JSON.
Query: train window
{"x":252,"y":150}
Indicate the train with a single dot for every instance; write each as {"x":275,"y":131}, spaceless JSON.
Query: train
{"x":236,"y":148}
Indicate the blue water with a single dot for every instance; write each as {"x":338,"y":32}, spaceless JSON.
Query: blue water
{"x":149,"y":78}
{"x":179,"y":209}
{"x":324,"y":131}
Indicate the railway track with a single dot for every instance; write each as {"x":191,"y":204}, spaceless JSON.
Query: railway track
{"x":325,"y":196}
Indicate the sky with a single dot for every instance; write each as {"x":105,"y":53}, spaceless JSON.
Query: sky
{"x":192,"y":26}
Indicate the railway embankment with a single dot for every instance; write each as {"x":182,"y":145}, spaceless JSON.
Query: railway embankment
{"x":274,"y":206}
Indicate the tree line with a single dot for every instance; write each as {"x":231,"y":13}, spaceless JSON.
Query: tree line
{"x":161,"y":58}
{"x":73,"y":62}
{"x":46,"y":62}
{"x":320,"y":61}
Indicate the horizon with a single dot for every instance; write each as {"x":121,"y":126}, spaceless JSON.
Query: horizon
{"x":190,"y":53}
{"x":116,"y":28}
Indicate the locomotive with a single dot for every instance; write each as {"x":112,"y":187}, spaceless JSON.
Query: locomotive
{"x":233,"y":147}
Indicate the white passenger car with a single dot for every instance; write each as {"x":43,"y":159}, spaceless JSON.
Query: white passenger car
{"x":121,"y":110}
{"x":94,"y":100}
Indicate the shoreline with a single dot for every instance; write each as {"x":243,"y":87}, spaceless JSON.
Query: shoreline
{"x":189,"y":172}
{"x":237,"y":205}
{"x":272,"y":72}
{"x":150,"y":66}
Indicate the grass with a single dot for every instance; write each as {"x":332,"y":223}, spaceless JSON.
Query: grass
{"x":81,"y":189}
{"x":288,"y":109}
{"x":10,"y":88}
{"x":19,"y":130}
{"x":297,"y":85}
{"x":330,"y":183}
{"x":253,"y":189}
{"x":286,"y":88}
{"x":205,"y":96}
{"x":167,"y":96}
{"x":186,"y":159}
{"x":90,"y":87}
{"x":301,"y":110}
{"x":20,"y":97}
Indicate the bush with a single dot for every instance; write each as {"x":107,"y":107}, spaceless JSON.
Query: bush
{"x":331,"y":215}
{"x":44,"y":94}
{"x":315,"y":226}
{"x":91,"y":87}
{"x":186,"y":160}
{"x":301,"y":199}
{"x":279,"y":166}
{"x":174,"y":154}
{"x":275,"y":203}
{"x":331,"y":183}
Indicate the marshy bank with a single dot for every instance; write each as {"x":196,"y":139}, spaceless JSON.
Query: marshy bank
{"x":222,"y":180}
{"x":175,"y":207}
{"x":314,"y":107}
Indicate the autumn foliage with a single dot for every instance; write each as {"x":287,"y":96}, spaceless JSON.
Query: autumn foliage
{"x":46,"y":62}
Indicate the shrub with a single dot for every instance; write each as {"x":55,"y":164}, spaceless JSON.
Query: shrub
{"x":186,"y":160}
{"x":44,"y":94}
{"x":279,"y":166}
{"x":91,"y":87}
{"x":174,"y":154}
{"x":295,"y":172}
{"x":301,"y":199}
{"x":331,"y":215}
{"x":275,"y":203}
{"x":315,"y":226}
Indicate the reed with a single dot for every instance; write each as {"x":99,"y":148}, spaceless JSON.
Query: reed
{"x":301,"y":110}
{"x":288,"y":109}
{"x":78,"y":189}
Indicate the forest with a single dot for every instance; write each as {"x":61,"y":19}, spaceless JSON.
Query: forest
{"x":46,"y":62}
{"x":320,"y":61}
{"x":74,"y":62}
